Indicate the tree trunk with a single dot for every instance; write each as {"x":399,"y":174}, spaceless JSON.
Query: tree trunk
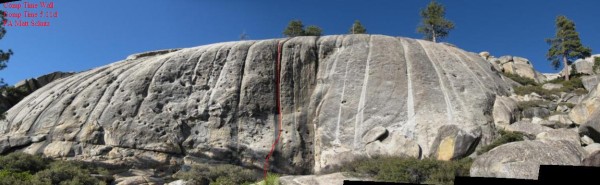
{"x":567,"y":74}
{"x":433,"y":37}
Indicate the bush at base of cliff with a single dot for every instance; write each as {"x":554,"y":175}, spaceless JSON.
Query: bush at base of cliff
{"x":21,"y":168}
{"x":505,"y":137}
{"x":410,"y":170}
{"x":203,"y":174}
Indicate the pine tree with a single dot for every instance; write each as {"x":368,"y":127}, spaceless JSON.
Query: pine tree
{"x":313,"y":31}
{"x":433,"y":24}
{"x":357,"y":28}
{"x":566,"y":46}
{"x":295,"y":28}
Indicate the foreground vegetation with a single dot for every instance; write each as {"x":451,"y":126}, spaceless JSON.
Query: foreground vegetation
{"x":21,"y":168}
{"x":505,"y":137}
{"x":219,"y":174}
{"x":409,"y":170}
{"x":574,"y":85}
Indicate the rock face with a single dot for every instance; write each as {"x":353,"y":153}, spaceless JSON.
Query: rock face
{"x":26,"y":87}
{"x":217,"y":102}
{"x":522,"y":159}
{"x":33,"y":84}
{"x":505,"y":111}
{"x":590,"y":82}
{"x":516,"y":65}
{"x":585,"y":66}
{"x":586,"y":113}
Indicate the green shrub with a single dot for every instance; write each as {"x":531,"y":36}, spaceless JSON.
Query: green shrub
{"x":8,"y":177}
{"x":521,"y":80}
{"x":546,"y":94}
{"x":572,"y":84}
{"x":410,"y":170}
{"x":272,"y":179}
{"x":527,"y":104}
{"x":218,"y":173}
{"x":505,"y":137}
{"x":22,"y":162}
{"x":65,"y":173}
{"x":21,"y":168}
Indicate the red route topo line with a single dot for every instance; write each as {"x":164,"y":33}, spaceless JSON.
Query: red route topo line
{"x":277,"y":98}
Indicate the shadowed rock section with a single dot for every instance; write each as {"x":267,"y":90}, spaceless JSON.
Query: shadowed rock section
{"x":216,"y":103}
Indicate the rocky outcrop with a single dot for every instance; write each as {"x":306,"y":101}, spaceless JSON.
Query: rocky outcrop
{"x":32,"y":84}
{"x":10,"y":96}
{"x":584,"y":66}
{"x":587,"y":115}
{"x":217,"y":103}
{"x":590,"y":82}
{"x":505,"y":111}
{"x":522,"y":159}
{"x":587,"y":108}
{"x":516,"y":65}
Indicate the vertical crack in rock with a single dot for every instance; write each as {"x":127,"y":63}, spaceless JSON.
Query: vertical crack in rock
{"x":236,"y":122}
{"x":483,"y":70}
{"x":448,"y":68}
{"x":336,"y":141}
{"x":410,"y":126}
{"x":363,"y":96}
{"x":482,"y":87}
{"x":449,"y":109}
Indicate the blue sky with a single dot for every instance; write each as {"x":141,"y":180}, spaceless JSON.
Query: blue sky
{"x":88,"y":34}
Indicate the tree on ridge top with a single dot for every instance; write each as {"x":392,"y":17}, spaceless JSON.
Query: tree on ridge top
{"x":433,"y":24}
{"x":566,"y":45}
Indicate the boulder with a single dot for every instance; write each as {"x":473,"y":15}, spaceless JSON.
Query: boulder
{"x":139,"y":180}
{"x":178,"y":182}
{"x":522,"y":159}
{"x":535,"y":112}
{"x":551,"y":76}
{"x":563,"y":108}
{"x":328,"y":179}
{"x":592,"y":160}
{"x":520,"y":66}
{"x":584,"y":66}
{"x":484,"y":54}
{"x":561,"y":118}
{"x":527,"y":128}
{"x":592,"y":148}
{"x":455,"y":143}
{"x":560,"y":134}
{"x":504,"y":111}
{"x":588,"y":107}
{"x":377,"y":133}
{"x":590,"y":82}
{"x":585,"y":140}
{"x":218,"y":103}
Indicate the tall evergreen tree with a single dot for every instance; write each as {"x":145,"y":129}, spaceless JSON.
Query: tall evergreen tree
{"x":313,"y":31}
{"x":357,"y":28}
{"x":433,"y":24}
{"x":4,"y":56}
{"x":295,"y":28}
{"x":566,"y":45}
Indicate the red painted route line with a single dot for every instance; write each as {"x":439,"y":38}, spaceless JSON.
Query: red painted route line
{"x":277,"y":96}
